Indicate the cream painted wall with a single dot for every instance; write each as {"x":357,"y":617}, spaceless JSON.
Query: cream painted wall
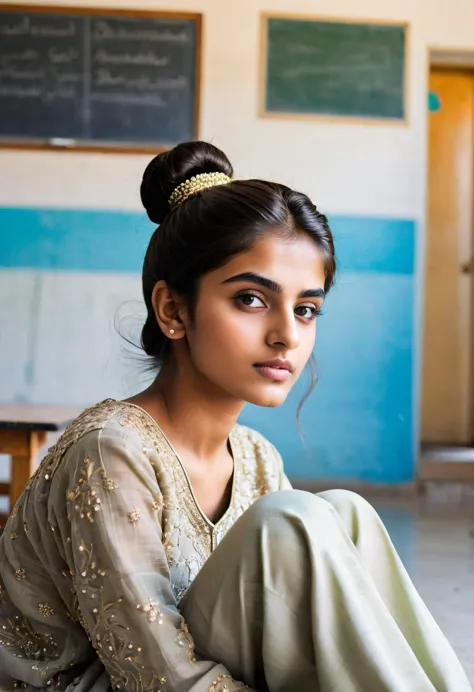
{"x":347,"y":168}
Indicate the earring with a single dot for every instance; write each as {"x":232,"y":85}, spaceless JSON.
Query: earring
{"x":171,"y":331}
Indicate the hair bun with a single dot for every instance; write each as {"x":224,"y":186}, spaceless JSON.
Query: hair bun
{"x":168,"y":170}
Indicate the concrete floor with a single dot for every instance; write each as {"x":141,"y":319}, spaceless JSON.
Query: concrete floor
{"x":436,"y":544}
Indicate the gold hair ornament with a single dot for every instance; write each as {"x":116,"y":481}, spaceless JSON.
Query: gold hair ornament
{"x":196,"y":184}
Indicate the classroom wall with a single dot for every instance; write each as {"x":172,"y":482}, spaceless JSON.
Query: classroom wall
{"x":72,"y":237}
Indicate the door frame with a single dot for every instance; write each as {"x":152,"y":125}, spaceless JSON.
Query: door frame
{"x":459,"y":60}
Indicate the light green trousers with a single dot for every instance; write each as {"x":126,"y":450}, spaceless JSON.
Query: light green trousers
{"x":306,"y":593}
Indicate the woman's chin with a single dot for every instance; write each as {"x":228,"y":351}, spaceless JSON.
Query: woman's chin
{"x":268,"y":399}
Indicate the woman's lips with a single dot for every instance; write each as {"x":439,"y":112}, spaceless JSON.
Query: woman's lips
{"x":275,"y":370}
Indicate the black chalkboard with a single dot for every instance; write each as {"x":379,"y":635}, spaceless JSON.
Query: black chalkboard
{"x":334,"y":68}
{"x":115,"y":79}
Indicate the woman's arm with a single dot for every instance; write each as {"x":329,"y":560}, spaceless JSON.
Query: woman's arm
{"x":120,"y":570}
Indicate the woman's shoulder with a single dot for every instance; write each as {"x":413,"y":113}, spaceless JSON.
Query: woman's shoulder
{"x":109,"y":422}
{"x":110,"y":434}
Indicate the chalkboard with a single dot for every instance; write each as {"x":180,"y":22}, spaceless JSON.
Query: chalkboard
{"x":314,"y":67}
{"x":102,"y":80}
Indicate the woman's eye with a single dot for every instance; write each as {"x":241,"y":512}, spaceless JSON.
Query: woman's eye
{"x":250,"y":300}
{"x":308,"y":312}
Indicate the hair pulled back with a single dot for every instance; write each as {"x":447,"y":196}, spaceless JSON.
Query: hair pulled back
{"x":208,"y":229}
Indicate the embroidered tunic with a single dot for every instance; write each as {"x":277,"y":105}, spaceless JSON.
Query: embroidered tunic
{"x":100,"y":549}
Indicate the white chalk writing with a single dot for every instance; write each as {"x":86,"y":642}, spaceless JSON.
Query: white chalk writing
{"x":69,"y":77}
{"x":20,"y":92}
{"x":23,"y":92}
{"x":131,"y":99}
{"x":104,"y":78}
{"x":16,"y":73}
{"x":104,"y":30}
{"x":50,"y":31}
{"x":24,"y":56}
{"x":26,"y":26}
{"x":61,"y":57}
{"x":20,"y":27}
{"x":66,"y":92}
{"x":103,"y":57}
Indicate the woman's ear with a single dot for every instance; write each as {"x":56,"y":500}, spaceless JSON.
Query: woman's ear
{"x":168,"y":308}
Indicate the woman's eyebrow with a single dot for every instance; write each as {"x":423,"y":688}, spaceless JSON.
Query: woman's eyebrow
{"x":271,"y":285}
{"x":251,"y":277}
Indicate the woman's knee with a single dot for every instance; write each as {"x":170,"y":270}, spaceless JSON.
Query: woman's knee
{"x":295,"y":507}
{"x":344,"y":499}
{"x":352,"y":509}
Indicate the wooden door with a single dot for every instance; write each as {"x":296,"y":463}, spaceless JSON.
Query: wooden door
{"x":447,"y":392}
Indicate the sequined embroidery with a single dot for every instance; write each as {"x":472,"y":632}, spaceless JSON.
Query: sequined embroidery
{"x":134,"y":515}
{"x":45,"y":610}
{"x":84,"y":496}
{"x":221,"y":685}
{"x":152,"y":611}
{"x":18,"y":635}
{"x":185,"y":639}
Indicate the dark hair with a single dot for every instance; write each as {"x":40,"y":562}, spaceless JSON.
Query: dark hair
{"x":204,"y":232}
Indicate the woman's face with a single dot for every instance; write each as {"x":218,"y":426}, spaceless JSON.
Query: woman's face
{"x":254,"y":326}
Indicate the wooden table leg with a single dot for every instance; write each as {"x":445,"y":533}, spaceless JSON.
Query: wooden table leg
{"x":23,"y":447}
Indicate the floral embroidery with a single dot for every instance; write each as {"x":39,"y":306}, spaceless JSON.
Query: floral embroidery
{"x":93,"y":418}
{"x":88,"y":567}
{"x":134,"y":515}
{"x":123,"y":657}
{"x":184,"y":639}
{"x":14,"y":536}
{"x":153,"y":611}
{"x":84,"y":496}
{"x":107,"y":483}
{"x":20,"y":573}
{"x":220,"y":685}
{"x":17,"y":634}
{"x":45,"y":610}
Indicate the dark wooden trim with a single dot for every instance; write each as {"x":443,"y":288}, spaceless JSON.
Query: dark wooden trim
{"x":198,"y":74}
{"x":65,"y":9}
{"x":78,"y":147}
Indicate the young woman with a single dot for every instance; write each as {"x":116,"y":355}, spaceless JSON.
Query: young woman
{"x":159,"y":546}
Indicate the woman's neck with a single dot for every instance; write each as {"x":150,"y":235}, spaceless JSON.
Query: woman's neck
{"x":193,"y":414}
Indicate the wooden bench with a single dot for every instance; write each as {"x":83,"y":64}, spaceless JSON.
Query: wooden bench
{"x":23,"y":431}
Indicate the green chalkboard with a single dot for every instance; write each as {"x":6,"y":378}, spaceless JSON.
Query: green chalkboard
{"x":334,"y":68}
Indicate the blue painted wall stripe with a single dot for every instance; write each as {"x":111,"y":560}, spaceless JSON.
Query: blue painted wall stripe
{"x":73,"y":240}
{"x":115,"y":241}
{"x":374,"y":244}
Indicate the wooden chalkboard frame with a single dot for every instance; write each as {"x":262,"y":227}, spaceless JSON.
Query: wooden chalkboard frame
{"x":323,"y":117}
{"x":100,"y":147}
